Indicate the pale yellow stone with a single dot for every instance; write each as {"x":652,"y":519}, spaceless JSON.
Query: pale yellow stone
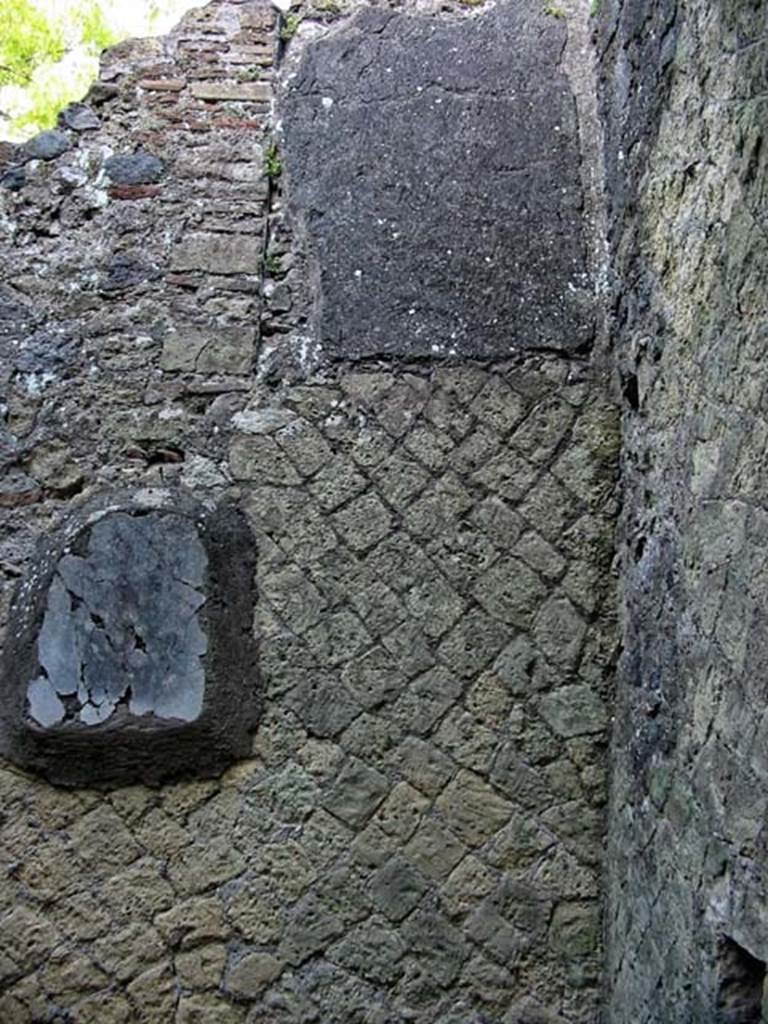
{"x":29,"y":999}
{"x":50,"y":868}
{"x":250,"y":976}
{"x":208,"y":1009}
{"x":212,"y":861}
{"x":256,"y":912}
{"x":127,"y":952}
{"x":161,"y":835}
{"x":193,"y":923}
{"x":138,"y":891}
{"x":103,"y":842}
{"x":489,"y":700}
{"x":132,"y":802}
{"x":248,"y":91}
{"x":29,"y":934}
{"x":107,"y":1007}
{"x":182,"y":797}
{"x":72,"y":974}
{"x":154,"y":992}
{"x":202,"y":967}
{"x":81,"y":916}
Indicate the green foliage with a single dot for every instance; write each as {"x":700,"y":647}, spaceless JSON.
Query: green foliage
{"x":95,"y":34}
{"x":249,"y":74}
{"x":47,"y":60}
{"x":46,"y":96}
{"x":554,"y":12}
{"x":273,"y":264}
{"x":594,"y":8}
{"x":289,"y":27}
{"x":27,"y":39}
{"x":273,"y":166}
{"x":330,"y":9}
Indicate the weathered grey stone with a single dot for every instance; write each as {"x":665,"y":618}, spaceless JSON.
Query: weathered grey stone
{"x":323,"y":706}
{"x":436,"y":943}
{"x":372,"y":680}
{"x":473,"y":643}
{"x":336,"y":483}
{"x":338,"y":638}
{"x":574,"y":930}
{"x":434,"y":850}
{"x":467,"y":883}
{"x":311,"y":927}
{"x":149,"y":332}
{"x":427,"y":699}
{"x":217,"y":253}
{"x":47,"y":145}
{"x":80,"y":117}
{"x":138,"y":168}
{"x":472,"y":808}
{"x":373,"y":950}
{"x":249,"y":975}
{"x":14,"y":178}
{"x":573,"y":711}
{"x":397,"y":888}
{"x":427,"y":768}
{"x":468,"y":742}
{"x":559,"y":632}
{"x":305,"y":446}
{"x":408,"y":646}
{"x":356,"y":793}
{"x":127,"y":270}
{"x":498,"y":937}
{"x":363,"y":522}
{"x":692,"y":608}
{"x":259,"y":457}
{"x":214,"y":350}
{"x":392,"y":251}
{"x":400,"y":813}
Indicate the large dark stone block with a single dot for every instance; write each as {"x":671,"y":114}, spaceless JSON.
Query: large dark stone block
{"x":433,"y":165}
{"x":131,"y":655}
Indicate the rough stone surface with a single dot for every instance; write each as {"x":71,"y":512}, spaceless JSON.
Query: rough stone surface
{"x":684,"y":96}
{"x":444,"y":212}
{"x":47,"y":145}
{"x":134,"y":168}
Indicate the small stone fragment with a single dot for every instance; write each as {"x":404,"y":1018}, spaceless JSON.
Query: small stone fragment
{"x":79,"y":117}
{"x":47,"y":145}
{"x":251,"y":974}
{"x":134,"y":168}
{"x":573,"y":711}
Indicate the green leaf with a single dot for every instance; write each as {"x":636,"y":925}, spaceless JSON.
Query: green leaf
{"x":27,"y":40}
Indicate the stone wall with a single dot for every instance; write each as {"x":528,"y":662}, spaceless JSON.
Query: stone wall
{"x":416,"y":832}
{"x":684,"y":93}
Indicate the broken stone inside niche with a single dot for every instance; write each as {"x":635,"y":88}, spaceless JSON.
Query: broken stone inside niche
{"x":122,"y":625}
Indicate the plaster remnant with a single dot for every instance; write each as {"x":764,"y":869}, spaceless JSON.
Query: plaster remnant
{"x":121,"y":625}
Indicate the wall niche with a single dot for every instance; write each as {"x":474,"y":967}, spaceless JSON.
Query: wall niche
{"x":131,"y":656}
